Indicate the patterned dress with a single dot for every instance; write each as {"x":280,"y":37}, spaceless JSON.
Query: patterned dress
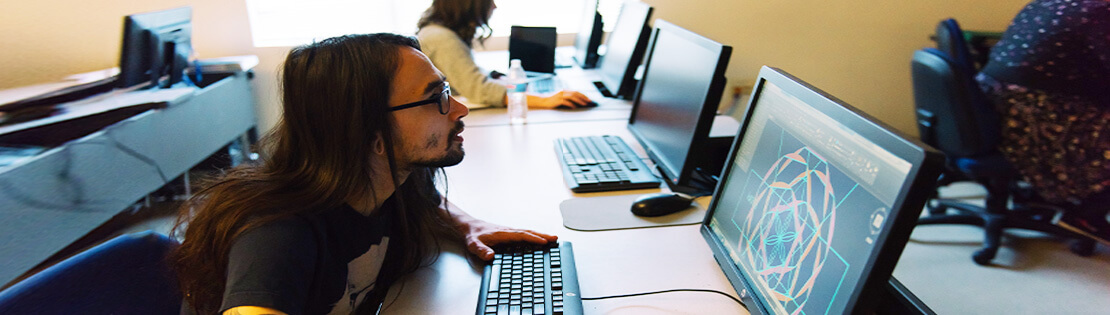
{"x":1049,"y":77}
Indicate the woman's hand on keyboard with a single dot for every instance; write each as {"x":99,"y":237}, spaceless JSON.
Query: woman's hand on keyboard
{"x":561,"y":99}
{"x":481,"y":236}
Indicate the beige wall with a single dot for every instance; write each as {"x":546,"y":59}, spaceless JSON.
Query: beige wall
{"x":858,"y":50}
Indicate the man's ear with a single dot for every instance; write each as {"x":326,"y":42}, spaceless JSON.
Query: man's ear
{"x":379,"y":144}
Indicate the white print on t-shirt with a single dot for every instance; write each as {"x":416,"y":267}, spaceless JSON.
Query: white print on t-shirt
{"x":361,"y":273}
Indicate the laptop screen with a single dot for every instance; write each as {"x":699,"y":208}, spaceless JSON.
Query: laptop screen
{"x":812,"y":205}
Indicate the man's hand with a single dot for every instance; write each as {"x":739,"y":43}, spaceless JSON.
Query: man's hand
{"x":481,"y":236}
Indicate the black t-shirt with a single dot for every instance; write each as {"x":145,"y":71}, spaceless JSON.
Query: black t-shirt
{"x":319,"y":263}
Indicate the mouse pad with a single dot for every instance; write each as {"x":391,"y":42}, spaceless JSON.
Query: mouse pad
{"x":612,"y":213}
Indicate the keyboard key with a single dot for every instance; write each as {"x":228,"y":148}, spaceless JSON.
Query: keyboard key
{"x":538,"y":310}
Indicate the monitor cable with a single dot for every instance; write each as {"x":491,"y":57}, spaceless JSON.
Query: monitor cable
{"x":734,"y":299}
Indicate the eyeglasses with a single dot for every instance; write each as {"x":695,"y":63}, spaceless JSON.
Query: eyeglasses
{"x":443,"y":100}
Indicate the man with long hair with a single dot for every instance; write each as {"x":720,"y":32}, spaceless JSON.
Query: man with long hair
{"x":344,"y":202}
{"x":446,"y":31}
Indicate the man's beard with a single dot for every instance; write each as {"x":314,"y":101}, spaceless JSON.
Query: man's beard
{"x":454,"y":154}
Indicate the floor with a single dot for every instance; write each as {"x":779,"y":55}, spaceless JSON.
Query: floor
{"x":1032,"y":274}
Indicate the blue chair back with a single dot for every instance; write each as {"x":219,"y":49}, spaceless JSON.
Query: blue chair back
{"x":125,"y":275}
{"x":951,"y":113}
{"x":950,"y":40}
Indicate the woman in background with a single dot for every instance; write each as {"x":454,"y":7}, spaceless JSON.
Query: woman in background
{"x":446,"y":32}
{"x":1048,"y":77}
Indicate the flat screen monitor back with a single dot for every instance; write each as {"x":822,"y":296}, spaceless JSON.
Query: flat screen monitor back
{"x":624,"y":49}
{"x":677,"y":99}
{"x":589,"y":36}
{"x":534,"y":46}
{"x":816,"y":202}
{"x":156,"y":47}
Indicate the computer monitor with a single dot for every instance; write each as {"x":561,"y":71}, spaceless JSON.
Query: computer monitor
{"x":675,"y":104}
{"x":816,"y":202}
{"x":589,"y":36}
{"x":156,"y":47}
{"x":534,"y":46}
{"x":624,"y":50}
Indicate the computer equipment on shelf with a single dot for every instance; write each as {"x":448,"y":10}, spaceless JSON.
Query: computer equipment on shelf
{"x":156,"y":47}
{"x":816,"y":202}
{"x":531,"y":279}
{"x":602,"y":163}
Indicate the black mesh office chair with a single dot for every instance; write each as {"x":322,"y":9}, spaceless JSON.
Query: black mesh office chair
{"x":953,"y":116}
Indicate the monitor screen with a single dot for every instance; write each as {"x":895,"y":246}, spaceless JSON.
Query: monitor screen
{"x":589,"y":36}
{"x":624,"y":49}
{"x":816,"y":201}
{"x":677,"y":99}
{"x":156,"y":47}
{"x":534,"y":46}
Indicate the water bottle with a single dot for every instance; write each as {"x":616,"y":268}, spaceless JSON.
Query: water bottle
{"x":518,"y":100}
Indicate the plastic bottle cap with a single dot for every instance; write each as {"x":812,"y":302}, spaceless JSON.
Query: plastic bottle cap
{"x":514,"y":63}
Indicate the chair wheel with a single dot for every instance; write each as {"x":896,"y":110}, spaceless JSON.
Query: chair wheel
{"x":936,"y":209}
{"x":983,"y":257}
{"x":1084,"y":248}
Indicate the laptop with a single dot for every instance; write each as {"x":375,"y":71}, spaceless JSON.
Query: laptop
{"x":535,"y":47}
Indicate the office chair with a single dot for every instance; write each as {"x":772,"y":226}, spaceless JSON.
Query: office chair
{"x":125,"y":275}
{"x":954,"y":116}
{"x":950,"y":40}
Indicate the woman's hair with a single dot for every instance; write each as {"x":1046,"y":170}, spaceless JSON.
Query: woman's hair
{"x":335,"y":96}
{"x":469,"y":19}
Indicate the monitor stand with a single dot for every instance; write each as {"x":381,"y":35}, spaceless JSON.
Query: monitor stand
{"x":721,"y":134}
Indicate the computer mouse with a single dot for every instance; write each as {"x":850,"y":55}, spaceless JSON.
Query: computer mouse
{"x":660,"y":204}
{"x":587,"y":105}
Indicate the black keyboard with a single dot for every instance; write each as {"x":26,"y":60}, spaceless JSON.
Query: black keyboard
{"x":602,"y":163}
{"x":530,"y":279}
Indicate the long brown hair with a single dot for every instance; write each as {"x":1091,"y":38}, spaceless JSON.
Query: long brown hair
{"x":335,"y":96}
{"x":467,"y":18}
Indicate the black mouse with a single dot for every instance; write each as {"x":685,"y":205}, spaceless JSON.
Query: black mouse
{"x":587,"y":105}
{"x":659,"y":204}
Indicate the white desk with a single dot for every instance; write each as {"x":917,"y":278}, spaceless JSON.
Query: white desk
{"x":510,"y":176}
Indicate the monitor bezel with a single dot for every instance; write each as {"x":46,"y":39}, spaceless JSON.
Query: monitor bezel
{"x":680,"y":181}
{"x":926,"y":165}
{"x":623,"y":85}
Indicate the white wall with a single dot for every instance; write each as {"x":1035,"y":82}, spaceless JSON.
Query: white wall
{"x":858,"y":50}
